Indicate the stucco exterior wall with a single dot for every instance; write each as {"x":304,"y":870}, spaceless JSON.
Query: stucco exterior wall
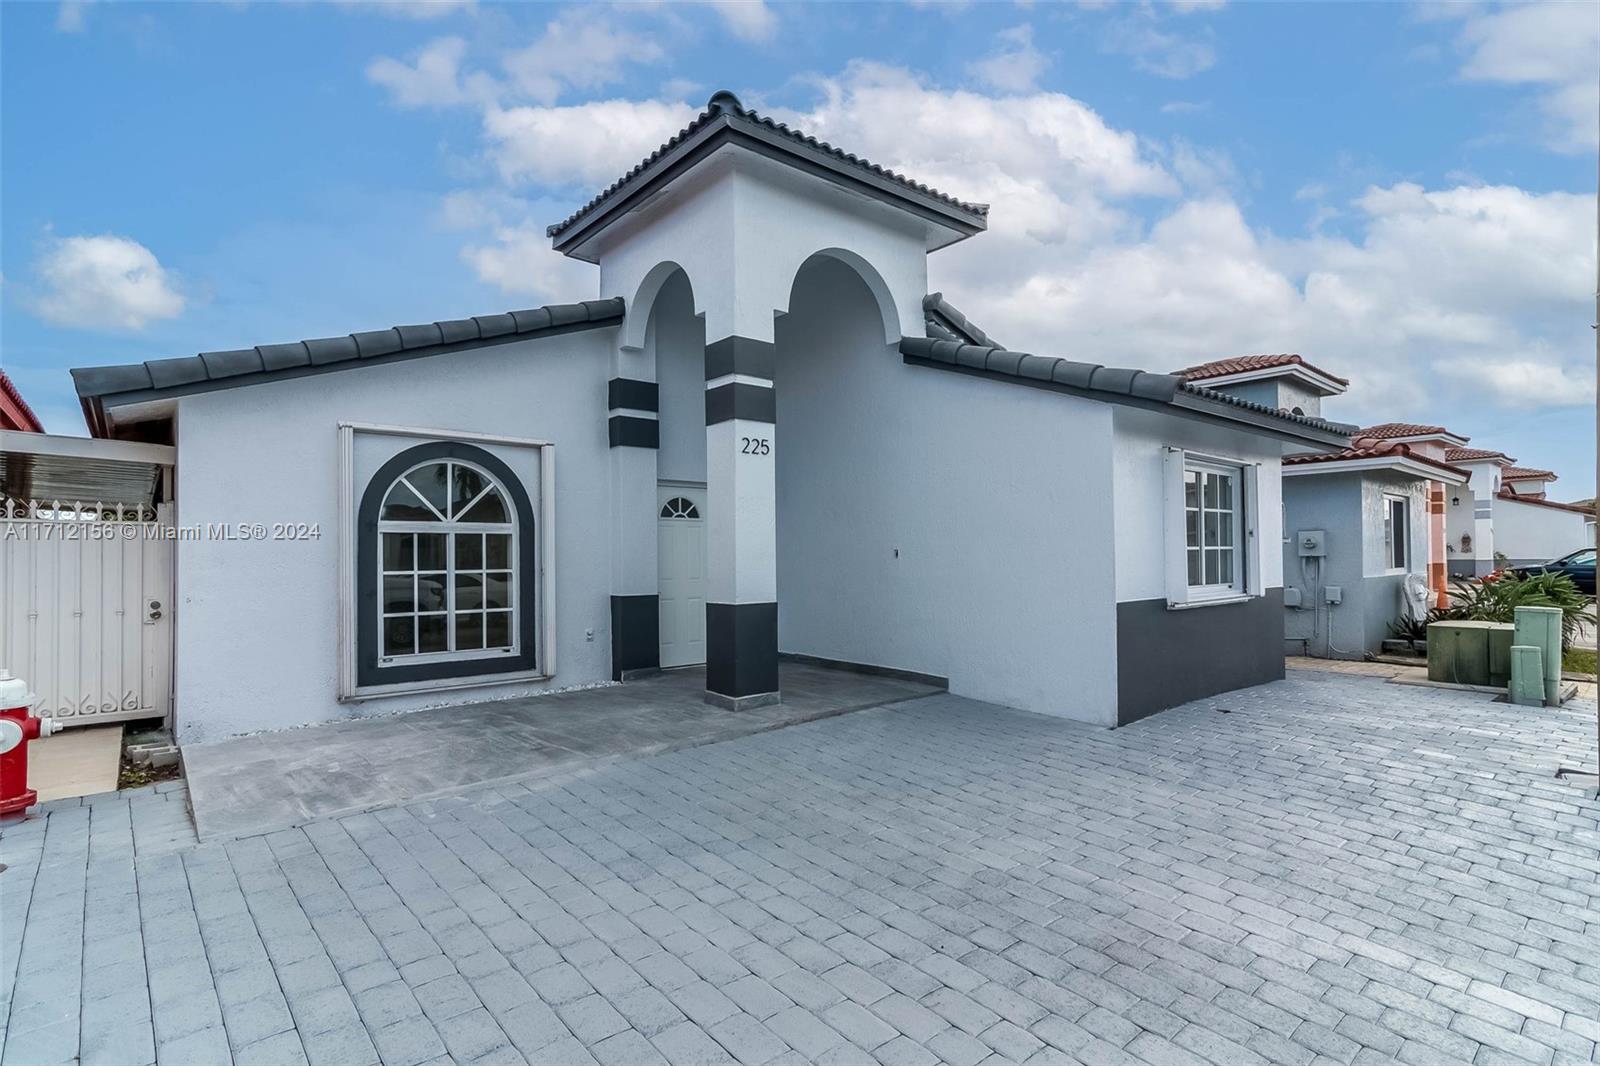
{"x":257,"y":622}
{"x":1167,"y":657}
{"x":1528,"y":533}
{"x":1142,"y":438}
{"x":940,"y":523}
{"x":1349,"y":509}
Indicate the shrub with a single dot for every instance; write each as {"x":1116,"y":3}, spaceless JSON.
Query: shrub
{"x":1498,"y":600}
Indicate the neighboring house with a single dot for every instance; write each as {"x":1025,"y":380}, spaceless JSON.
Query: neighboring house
{"x":1357,"y":521}
{"x":1531,"y":528}
{"x":1369,"y":507}
{"x":1429,"y":443}
{"x":15,"y":414}
{"x":762,"y":438}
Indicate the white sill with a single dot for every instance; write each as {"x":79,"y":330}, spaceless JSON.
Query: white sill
{"x":1210,"y":601}
{"x":442,"y":684}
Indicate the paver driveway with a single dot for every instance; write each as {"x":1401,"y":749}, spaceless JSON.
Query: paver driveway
{"x":1337,"y":870}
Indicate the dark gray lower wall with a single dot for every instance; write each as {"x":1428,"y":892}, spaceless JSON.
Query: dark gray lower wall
{"x":1166,"y":657}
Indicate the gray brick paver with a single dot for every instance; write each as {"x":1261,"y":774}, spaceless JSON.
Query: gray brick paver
{"x":1290,"y":882}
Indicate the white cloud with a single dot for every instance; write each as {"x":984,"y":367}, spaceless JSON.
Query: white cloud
{"x":1185,"y":107}
{"x":417,"y":10}
{"x":1553,"y":46}
{"x":1157,"y":51}
{"x":432,"y":79}
{"x":591,"y":144}
{"x":519,"y":260}
{"x":104,"y":282}
{"x":1526,"y":381}
{"x":576,"y":52}
{"x":70,"y":16}
{"x":1015,"y":65}
{"x":749,"y":20}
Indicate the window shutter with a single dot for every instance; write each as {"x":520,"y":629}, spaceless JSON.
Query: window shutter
{"x":1175,"y":537}
{"x":1254,"y":572}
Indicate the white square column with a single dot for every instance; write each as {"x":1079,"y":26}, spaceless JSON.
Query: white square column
{"x":741,"y":524}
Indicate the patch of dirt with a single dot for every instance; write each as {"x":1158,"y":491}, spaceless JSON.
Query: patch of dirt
{"x":131,"y":776}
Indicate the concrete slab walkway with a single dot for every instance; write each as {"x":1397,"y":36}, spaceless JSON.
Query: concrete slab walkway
{"x":276,"y":780}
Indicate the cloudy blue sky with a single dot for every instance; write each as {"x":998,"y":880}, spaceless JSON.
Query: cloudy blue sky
{"x":1403,"y":193}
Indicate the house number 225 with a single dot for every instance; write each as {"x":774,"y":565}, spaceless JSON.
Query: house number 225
{"x":755,"y":446}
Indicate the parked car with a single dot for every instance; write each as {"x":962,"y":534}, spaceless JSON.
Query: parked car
{"x":1579,"y":566}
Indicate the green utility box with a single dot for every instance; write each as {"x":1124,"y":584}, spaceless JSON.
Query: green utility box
{"x":1470,"y":653}
{"x":1540,"y":627}
{"x":1527,"y":675}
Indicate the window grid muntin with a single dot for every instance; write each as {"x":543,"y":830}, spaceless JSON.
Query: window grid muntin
{"x":1213,"y":504}
{"x":680,"y":507}
{"x":501,"y":621}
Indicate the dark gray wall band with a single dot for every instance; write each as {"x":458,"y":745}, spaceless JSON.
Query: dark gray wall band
{"x":368,"y":671}
{"x":739,"y":400}
{"x":1167,"y":657}
{"x":742,"y":648}
{"x":741,"y":355}
{"x":627,"y":431}
{"x":635,"y":634}
{"x":633,"y":394}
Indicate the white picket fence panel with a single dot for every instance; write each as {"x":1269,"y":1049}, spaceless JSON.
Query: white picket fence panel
{"x":86,"y":608}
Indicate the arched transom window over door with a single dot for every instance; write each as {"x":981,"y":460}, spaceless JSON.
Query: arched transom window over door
{"x":449,"y":566}
{"x":680,"y":507}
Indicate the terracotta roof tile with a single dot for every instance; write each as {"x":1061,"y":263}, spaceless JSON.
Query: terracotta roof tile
{"x":1368,"y":448}
{"x":1244,"y":364}
{"x":1387,"y":430}
{"x":1467,"y":455}
{"x":1575,"y":508}
{"x":1522,"y":473}
{"x":21,"y":405}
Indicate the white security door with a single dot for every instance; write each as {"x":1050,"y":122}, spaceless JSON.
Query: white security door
{"x":681,"y":554}
{"x":86,"y":616}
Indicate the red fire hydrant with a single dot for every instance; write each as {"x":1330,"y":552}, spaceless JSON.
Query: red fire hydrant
{"x":17,"y":727}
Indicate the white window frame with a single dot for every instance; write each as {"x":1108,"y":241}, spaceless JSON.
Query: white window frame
{"x":545,"y":604}
{"x":1235,"y":586}
{"x":1390,"y":500}
{"x":447,"y":528}
{"x":1248,"y":577}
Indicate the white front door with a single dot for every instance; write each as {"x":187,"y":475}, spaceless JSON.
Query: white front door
{"x":681,"y":556}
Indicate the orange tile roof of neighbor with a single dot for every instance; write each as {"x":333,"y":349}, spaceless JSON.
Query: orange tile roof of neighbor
{"x":1522,"y":473}
{"x":1365,"y":449}
{"x":14,"y":410}
{"x":1467,"y":455}
{"x":1244,"y":364}
{"x":1576,"y":508}
{"x":1387,"y":430}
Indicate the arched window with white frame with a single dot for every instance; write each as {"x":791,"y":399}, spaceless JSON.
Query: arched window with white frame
{"x":446,"y":568}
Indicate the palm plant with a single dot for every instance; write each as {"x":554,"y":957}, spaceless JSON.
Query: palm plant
{"x":1498,"y":600}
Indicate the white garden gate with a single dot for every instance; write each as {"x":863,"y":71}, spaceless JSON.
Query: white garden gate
{"x":86,"y":589}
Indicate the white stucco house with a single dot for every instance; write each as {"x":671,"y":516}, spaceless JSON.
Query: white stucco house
{"x":762,"y":437}
{"x":1505,"y":517}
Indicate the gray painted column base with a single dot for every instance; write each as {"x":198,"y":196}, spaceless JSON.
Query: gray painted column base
{"x":743,"y":703}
